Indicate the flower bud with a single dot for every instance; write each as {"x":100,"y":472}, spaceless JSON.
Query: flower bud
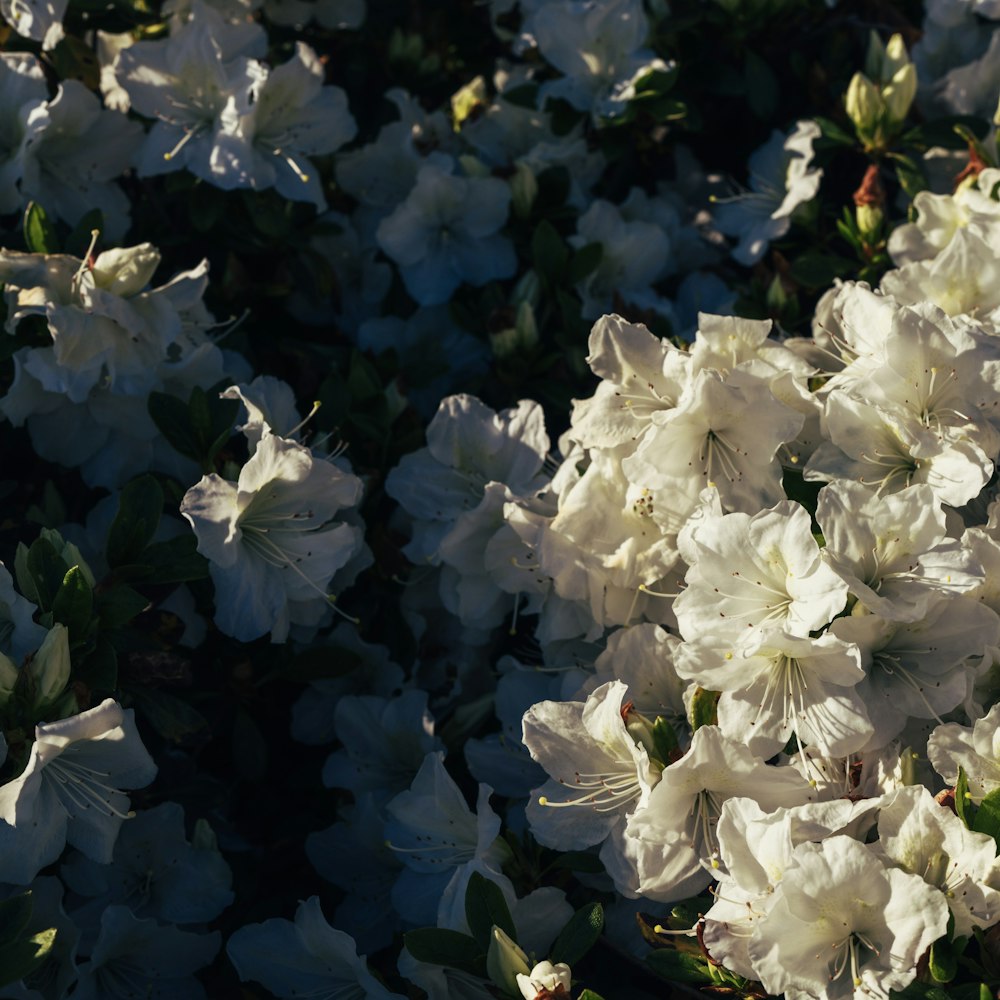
{"x":49,"y":667}
{"x":898,"y":94}
{"x":465,"y":100}
{"x":864,"y":105}
{"x":555,"y":980}
{"x":127,"y":270}
{"x":896,"y":57}
{"x":869,"y":219}
{"x":505,"y":962}
{"x":8,"y":678}
{"x":523,"y":190}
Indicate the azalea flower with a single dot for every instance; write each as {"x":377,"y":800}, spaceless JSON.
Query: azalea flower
{"x":271,"y":537}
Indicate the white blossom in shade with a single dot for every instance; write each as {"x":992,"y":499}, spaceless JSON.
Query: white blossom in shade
{"x":919,"y":669}
{"x":70,"y":790}
{"x":890,"y":449}
{"x":293,"y":116}
{"x":598,"y":46}
{"x":436,"y":836}
{"x":751,"y":573}
{"x":306,"y":957}
{"x":547,"y":980}
{"x":185,"y":82}
{"x":635,"y":254}
{"x":845,"y":925}
{"x":134,"y":957}
{"x":73,"y":151}
{"x":706,"y":440}
{"x":385,"y":740}
{"x":269,"y":405}
{"x":940,"y":217}
{"x":677,"y":822}
{"x":892,"y":551}
{"x":975,"y":750}
{"x":598,"y":773}
{"x":468,"y":446}
{"x":19,"y":633}
{"x":928,"y":839}
{"x":22,"y":87}
{"x":447,"y":232}
{"x":39,"y":20}
{"x":779,"y":685}
{"x":273,"y":538}
{"x":781,"y":179}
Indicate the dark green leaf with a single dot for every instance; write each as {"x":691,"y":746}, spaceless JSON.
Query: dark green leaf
{"x":665,"y":741}
{"x":363,"y":379}
{"x":321,"y":663}
{"x":99,"y":671}
{"x":174,"y":719}
{"x":119,"y":605}
{"x":74,"y":603}
{"x":139,"y":508}
{"x":943,"y":963}
{"x":834,"y":133}
{"x":449,"y":948}
{"x":590,"y":995}
{"x":761,"y":86}
{"x":44,"y":571}
{"x":170,"y":415}
{"x":15,"y":913}
{"x":466,"y":720}
{"x":21,"y":958}
{"x":79,"y":240}
{"x":585,"y":261}
{"x":39,"y":233}
{"x":174,"y":561}
{"x":524,"y":96}
{"x":679,"y":966}
{"x":988,"y":815}
{"x":816,"y":269}
{"x":579,"y":935}
{"x":579,"y":861}
{"x":548,"y":252}
{"x":911,"y":178}
{"x":249,"y":747}
{"x":486,"y":907}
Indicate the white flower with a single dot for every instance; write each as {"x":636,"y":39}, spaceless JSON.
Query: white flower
{"x":929,"y":840}
{"x":555,"y":980}
{"x":271,"y":538}
{"x":976,"y":750}
{"x":781,"y":179}
{"x":750,"y":573}
{"x":22,"y":87}
{"x":845,"y":925}
{"x":40,"y":20}
{"x":447,"y":232}
{"x":70,"y":792}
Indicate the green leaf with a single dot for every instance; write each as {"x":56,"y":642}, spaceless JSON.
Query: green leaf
{"x":678,"y":966}
{"x":449,"y":948}
{"x":21,"y":958}
{"x":987,"y":818}
{"x":119,"y":604}
{"x":761,"y":86}
{"x":363,"y":379}
{"x":198,"y":428}
{"x":321,"y":663}
{"x":174,"y":561}
{"x":99,"y":671}
{"x":549,"y":253}
{"x":815,"y":269}
{"x":74,"y":603}
{"x":175,"y":720}
{"x":15,"y":913}
{"x":911,"y":178}
{"x":40,"y":572}
{"x":665,"y":741}
{"x":139,"y":508}
{"x":579,"y":935}
{"x":585,"y":262}
{"x":943,"y":963}
{"x":704,"y":708}
{"x":579,"y":861}
{"x":486,"y":907}
{"x":171,"y":417}
{"x":39,"y":233}
{"x":78,"y":241}
{"x":834,"y":133}
{"x":590,"y":995}
{"x":963,"y":804}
